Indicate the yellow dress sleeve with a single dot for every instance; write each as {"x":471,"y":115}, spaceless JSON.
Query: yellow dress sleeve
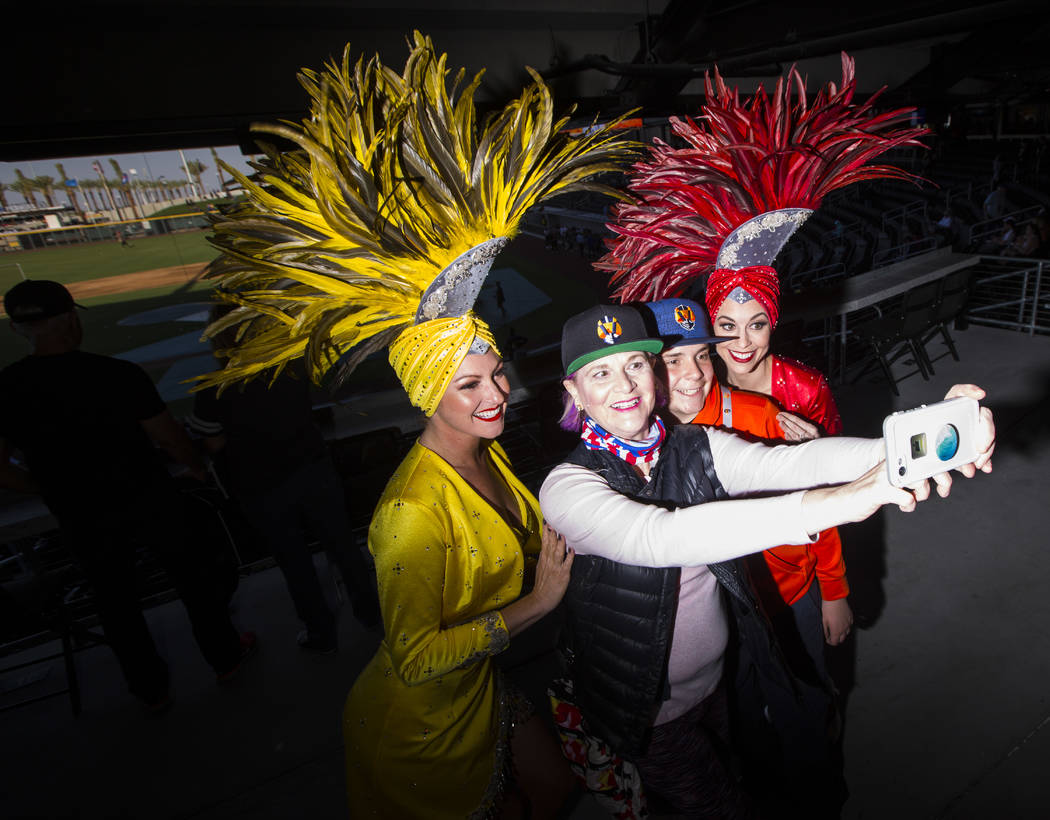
{"x":409,"y":545}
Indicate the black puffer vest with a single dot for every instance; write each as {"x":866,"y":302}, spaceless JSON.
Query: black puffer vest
{"x":620,"y":618}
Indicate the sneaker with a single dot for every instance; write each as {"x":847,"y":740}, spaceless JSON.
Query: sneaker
{"x":311,"y":643}
{"x":249,"y":643}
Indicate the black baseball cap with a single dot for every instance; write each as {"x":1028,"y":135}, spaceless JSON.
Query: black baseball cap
{"x":36,"y":299}
{"x":601,"y":330}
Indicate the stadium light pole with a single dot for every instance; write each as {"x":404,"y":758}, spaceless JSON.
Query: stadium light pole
{"x":189,"y":179}
{"x":134,"y":193}
{"x":152,"y":183}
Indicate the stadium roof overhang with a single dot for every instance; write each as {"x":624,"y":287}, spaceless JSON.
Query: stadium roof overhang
{"x":116,"y":76}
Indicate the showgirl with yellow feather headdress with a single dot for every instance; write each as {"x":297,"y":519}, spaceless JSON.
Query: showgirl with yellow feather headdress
{"x":379,"y":230}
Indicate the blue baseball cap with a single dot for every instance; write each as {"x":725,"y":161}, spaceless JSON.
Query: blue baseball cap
{"x":680,"y":322}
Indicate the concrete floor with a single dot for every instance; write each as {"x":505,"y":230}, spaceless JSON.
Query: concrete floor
{"x":948,"y":713}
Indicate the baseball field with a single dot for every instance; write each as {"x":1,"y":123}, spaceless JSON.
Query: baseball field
{"x":147,"y":301}
{"x":120,"y":286}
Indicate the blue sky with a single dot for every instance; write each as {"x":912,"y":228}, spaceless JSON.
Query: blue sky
{"x":153,"y":164}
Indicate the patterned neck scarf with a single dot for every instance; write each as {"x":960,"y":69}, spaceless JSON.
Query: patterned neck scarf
{"x":595,"y":437}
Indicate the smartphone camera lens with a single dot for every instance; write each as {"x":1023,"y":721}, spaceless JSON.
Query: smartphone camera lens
{"x":947,"y":442}
{"x":902,"y":470}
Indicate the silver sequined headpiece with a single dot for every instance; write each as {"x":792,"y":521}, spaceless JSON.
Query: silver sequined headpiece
{"x":759,"y":240}
{"x":454,"y":290}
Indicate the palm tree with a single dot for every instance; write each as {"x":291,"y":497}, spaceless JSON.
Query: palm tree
{"x":71,"y":190}
{"x":25,"y":187}
{"x":3,"y":196}
{"x":46,"y":185}
{"x":196,"y":168}
{"x":122,"y":186}
{"x":89,"y":186}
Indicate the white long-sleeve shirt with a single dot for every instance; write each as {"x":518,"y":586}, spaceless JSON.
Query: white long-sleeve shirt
{"x":597,"y":520}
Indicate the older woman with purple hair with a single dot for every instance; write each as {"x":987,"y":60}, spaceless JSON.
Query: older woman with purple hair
{"x":647,"y":511}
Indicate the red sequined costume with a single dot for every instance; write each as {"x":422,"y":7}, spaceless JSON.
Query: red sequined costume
{"x":803,"y":390}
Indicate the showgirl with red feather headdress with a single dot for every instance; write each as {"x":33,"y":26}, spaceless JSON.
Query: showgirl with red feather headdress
{"x":723,"y":206}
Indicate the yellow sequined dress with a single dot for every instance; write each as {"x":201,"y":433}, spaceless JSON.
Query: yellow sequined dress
{"x":426,"y":722}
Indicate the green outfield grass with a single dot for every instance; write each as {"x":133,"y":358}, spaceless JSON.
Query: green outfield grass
{"x":96,"y":260}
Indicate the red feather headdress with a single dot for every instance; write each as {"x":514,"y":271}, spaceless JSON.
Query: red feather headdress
{"x":749,"y":176}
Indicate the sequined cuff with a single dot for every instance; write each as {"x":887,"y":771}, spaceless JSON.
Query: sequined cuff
{"x":495,"y":630}
{"x":499,"y":637}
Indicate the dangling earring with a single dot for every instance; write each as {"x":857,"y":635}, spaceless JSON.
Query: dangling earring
{"x":576,"y":404}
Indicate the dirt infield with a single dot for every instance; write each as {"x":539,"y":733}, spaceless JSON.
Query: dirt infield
{"x":143,"y":280}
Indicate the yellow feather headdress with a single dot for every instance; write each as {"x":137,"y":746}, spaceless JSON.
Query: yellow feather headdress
{"x":388,"y":213}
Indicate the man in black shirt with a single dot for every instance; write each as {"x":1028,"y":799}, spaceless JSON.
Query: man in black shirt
{"x":88,"y":428}
{"x":276,"y":464}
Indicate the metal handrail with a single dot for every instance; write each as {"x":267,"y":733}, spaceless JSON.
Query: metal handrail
{"x":1026,"y":299}
{"x":898,"y":213}
{"x":989,"y":227}
{"x":816,"y":276}
{"x":904,"y":251}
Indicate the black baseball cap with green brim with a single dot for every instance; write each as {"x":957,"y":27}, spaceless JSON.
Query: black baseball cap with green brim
{"x":601,"y":330}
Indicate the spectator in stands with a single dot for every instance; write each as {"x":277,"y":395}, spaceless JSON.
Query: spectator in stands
{"x":276,"y":466}
{"x":1026,"y":244}
{"x":999,"y":243}
{"x":995,"y":204}
{"x":1042,"y":224}
{"x":86,"y":426}
{"x":1009,"y":233}
{"x":947,"y":229}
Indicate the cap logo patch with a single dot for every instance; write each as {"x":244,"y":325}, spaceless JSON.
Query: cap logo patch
{"x":684,"y":316}
{"x":609,"y":329}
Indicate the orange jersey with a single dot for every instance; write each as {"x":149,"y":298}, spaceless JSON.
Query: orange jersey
{"x":790,"y":568}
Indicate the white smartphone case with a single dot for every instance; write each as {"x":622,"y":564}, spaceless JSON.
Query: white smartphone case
{"x":930,"y":439}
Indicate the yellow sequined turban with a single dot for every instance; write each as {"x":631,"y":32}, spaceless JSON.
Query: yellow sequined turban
{"x":427,"y":356}
{"x":379,"y":227}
